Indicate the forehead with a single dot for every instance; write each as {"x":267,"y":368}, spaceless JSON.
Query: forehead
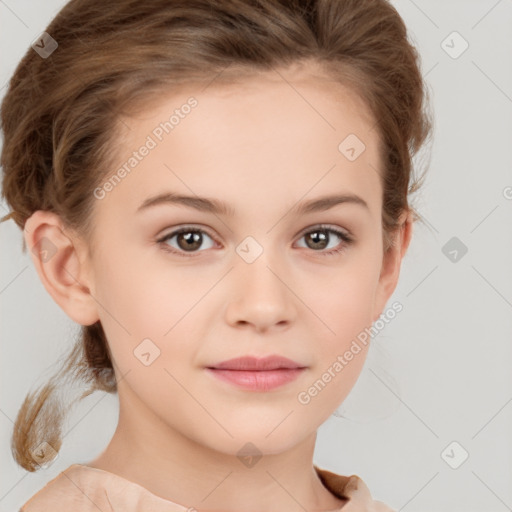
{"x":276,"y":134}
{"x":305,"y":90}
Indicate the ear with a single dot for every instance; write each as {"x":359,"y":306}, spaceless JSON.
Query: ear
{"x":391,"y":263}
{"x":60,"y":259}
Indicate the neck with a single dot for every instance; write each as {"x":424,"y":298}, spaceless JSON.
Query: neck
{"x":175,"y":467}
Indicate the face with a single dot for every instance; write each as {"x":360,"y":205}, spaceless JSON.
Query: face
{"x":260,"y":276}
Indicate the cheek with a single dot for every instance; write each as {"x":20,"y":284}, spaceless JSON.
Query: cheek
{"x":343,"y":301}
{"x":149,"y":309}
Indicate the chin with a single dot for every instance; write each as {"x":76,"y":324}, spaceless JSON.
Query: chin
{"x":257,"y":441}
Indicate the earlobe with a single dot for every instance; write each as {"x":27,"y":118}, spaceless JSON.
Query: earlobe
{"x":405,"y":232}
{"x":391,"y":264}
{"x":60,"y":265}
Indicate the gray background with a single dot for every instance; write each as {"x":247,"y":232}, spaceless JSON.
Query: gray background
{"x":438,"y":373}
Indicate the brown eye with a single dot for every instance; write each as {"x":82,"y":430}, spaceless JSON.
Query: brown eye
{"x":318,"y":240}
{"x":187,"y":240}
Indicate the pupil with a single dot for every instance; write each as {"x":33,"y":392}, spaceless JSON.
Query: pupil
{"x":192,"y":238}
{"x":319,"y":237}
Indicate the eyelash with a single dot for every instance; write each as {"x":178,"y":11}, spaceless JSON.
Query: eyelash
{"x":347,"y":240}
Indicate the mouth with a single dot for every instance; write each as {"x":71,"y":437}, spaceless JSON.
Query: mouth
{"x":257,"y":374}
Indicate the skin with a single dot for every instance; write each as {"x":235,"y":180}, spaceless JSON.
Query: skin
{"x":262,"y":148}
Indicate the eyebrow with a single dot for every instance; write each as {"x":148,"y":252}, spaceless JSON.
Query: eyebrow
{"x":206,"y":204}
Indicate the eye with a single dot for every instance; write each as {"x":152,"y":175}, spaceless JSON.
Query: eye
{"x":188,"y":239}
{"x":320,"y":238}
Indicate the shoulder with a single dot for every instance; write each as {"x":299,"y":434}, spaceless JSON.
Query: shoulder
{"x":72,"y":489}
{"x":359,"y":493}
{"x":354,"y":489}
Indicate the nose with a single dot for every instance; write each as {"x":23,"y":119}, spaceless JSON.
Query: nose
{"x":260,"y":294}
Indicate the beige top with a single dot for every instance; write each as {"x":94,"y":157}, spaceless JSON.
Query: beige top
{"x":82,"y":488}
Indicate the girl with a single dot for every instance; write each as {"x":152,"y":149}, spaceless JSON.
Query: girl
{"x":217,"y":192}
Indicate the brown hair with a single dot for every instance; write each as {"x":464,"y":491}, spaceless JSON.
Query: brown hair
{"x":60,"y":117}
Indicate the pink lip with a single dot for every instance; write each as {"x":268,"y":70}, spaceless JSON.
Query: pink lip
{"x":257,"y":374}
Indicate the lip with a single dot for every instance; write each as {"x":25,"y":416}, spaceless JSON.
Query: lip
{"x":251,"y":363}
{"x":257,"y":374}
